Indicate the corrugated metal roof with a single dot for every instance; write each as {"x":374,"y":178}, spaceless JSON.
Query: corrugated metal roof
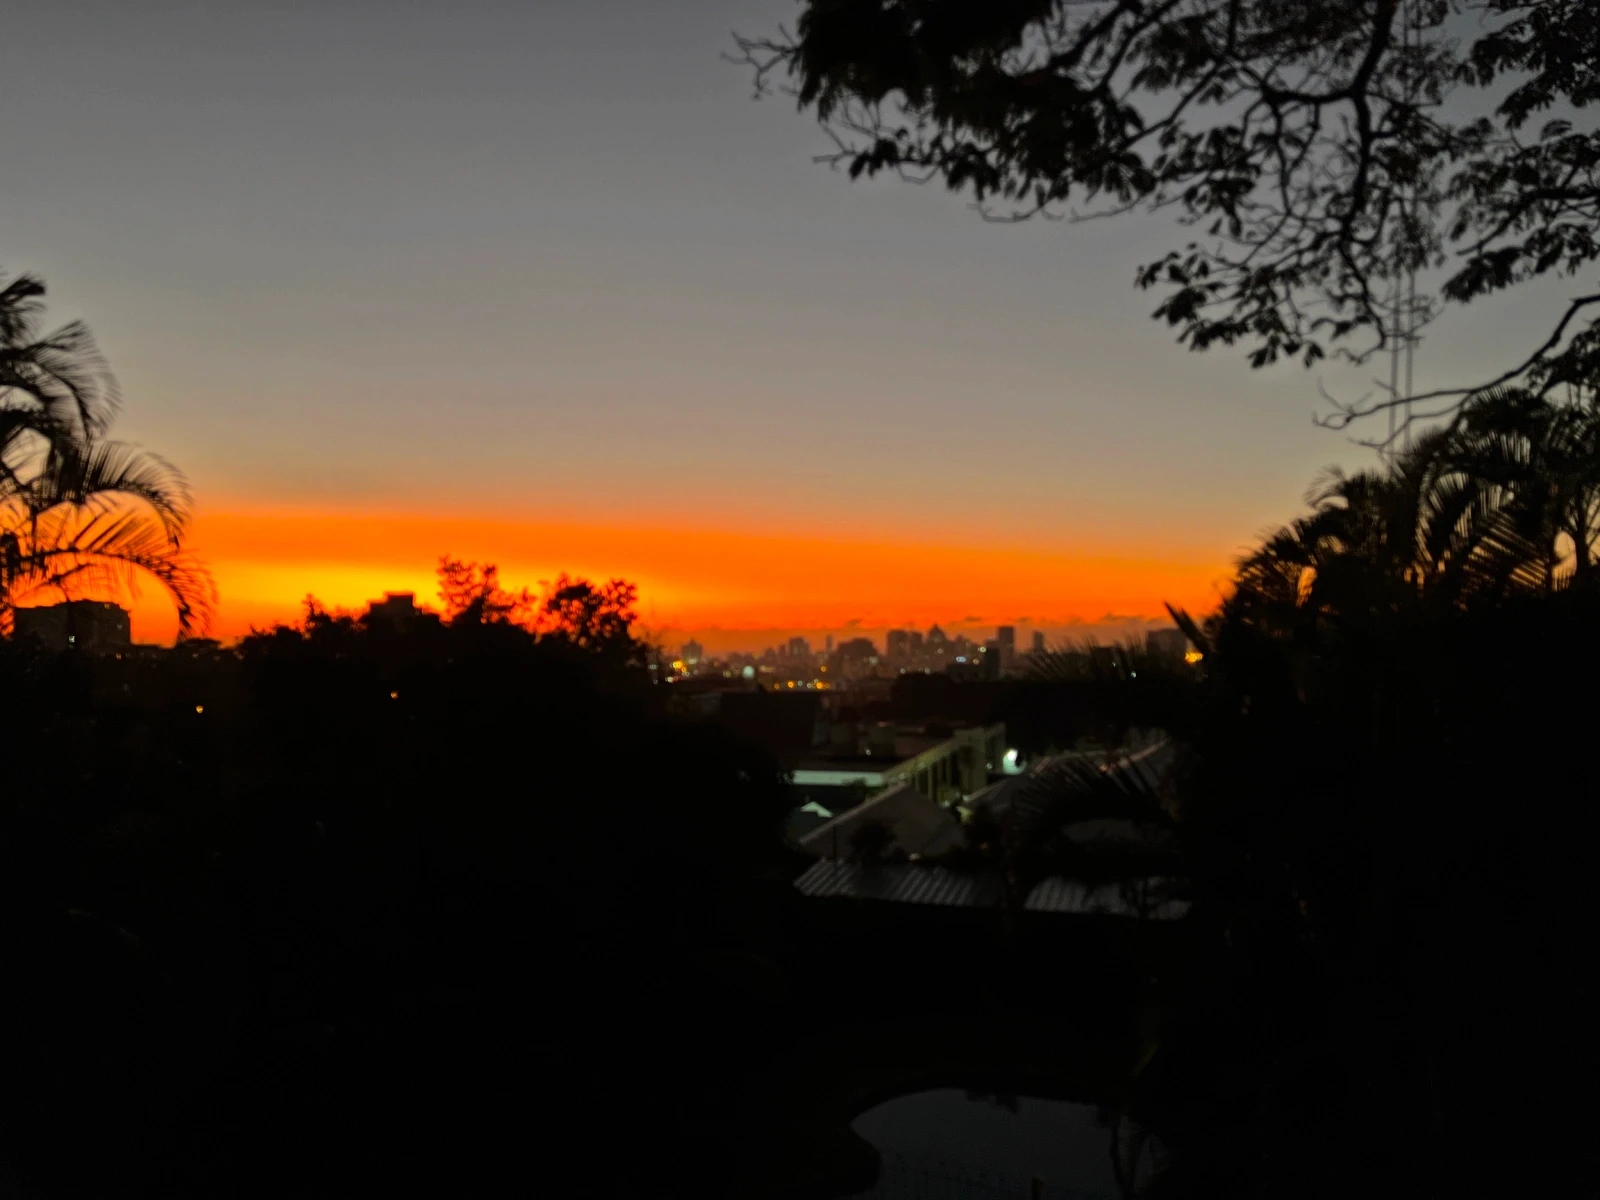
{"x":911,"y":883}
{"x":900,"y":882}
{"x":1070,"y":896}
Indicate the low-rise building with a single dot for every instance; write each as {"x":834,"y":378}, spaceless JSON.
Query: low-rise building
{"x":95,"y":626}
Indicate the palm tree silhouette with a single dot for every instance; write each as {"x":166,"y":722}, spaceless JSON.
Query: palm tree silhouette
{"x":79,"y":513}
{"x":1505,"y":502}
{"x":1542,"y":459}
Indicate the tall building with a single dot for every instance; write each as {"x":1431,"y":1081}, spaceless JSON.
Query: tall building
{"x":936,"y":637}
{"x":692,"y":653}
{"x":859,"y":647}
{"x":1038,"y":641}
{"x":1006,"y":635}
{"x":992,"y":659}
{"x":916,"y":641}
{"x":91,"y":625}
{"x":799,"y":648}
{"x":897,"y":645}
{"x":855,"y":658}
{"x":830,"y":643}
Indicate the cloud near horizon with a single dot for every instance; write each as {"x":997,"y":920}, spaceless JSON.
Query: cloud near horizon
{"x":690,"y":578}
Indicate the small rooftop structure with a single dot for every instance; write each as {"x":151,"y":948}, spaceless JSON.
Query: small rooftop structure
{"x":399,"y":611}
{"x":395,"y":607}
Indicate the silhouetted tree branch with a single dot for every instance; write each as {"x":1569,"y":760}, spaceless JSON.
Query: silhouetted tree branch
{"x":1308,"y":144}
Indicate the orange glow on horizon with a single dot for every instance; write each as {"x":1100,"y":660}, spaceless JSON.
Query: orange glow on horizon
{"x":691,"y":579}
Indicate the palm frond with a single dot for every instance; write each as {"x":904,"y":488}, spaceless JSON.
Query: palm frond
{"x":101,"y":473}
{"x":1046,"y":810}
{"x":62,"y":373}
{"x":1505,"y":501}
{"x":1191,"y":629}
{"x":104,"y":552}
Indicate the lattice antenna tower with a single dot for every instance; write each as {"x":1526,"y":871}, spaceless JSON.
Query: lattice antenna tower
{"x":1403,"y":344}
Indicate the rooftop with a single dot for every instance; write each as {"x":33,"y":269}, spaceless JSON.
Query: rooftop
{"x":914,"y":825}
{"x":921,"y":883}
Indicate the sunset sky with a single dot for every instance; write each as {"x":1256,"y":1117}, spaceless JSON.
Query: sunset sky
{"x":538,"y":283}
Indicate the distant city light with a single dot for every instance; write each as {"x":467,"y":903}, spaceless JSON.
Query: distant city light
{"x":394,"y":695}
{"x":1192,"y":656}
{"x":199,"y":708}
{"x":793,"y":665}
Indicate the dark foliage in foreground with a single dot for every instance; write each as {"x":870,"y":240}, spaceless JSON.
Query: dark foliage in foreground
{"x":1385,"y":817}
{"x":1386,"y":831}
{"x":356,"y":911}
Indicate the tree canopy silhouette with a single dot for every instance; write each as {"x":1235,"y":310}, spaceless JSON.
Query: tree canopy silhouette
{"x":472,"y":595}
{"x":1314,"y":147}
{"x":590,"y":616}
{"x":1380,"y":922}
{"x":368,"y":905}
{"x":593,"y":616}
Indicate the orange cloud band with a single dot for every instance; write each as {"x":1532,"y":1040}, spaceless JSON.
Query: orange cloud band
{"x":266,"y":562}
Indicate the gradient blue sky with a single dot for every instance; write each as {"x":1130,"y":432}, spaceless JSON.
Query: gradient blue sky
{"x":548,"y":262}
